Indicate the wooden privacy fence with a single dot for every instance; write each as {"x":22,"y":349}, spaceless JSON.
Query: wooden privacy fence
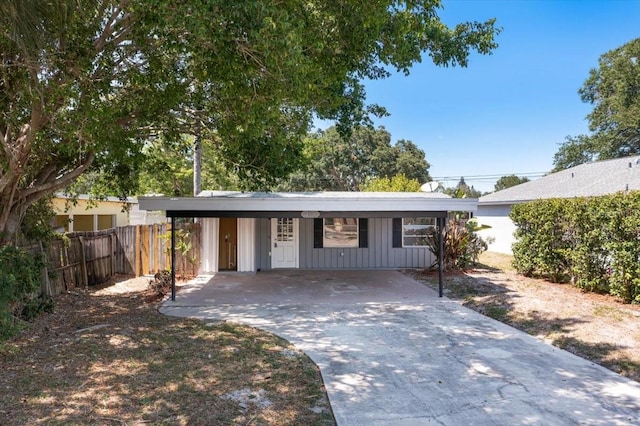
{"x":81,"y":259}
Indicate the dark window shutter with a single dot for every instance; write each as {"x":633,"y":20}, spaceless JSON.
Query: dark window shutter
{"x":363,"y":232}
{"x":397,"y":232}
{"x":318,"y":225}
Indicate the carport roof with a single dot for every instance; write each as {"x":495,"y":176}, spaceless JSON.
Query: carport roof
{"x":308,"y":204}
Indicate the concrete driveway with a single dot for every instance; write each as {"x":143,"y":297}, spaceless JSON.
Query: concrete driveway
{"x":392,"y":353}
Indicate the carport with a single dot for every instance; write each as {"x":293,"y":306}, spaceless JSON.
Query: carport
{"x":313,"y":230}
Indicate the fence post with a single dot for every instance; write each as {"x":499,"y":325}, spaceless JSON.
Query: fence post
{"x":157,"y":248}
{"x":112,"y":253}
{"x":46,"y":283}
{"x":83,"y":262}
{"x":137,"y":252}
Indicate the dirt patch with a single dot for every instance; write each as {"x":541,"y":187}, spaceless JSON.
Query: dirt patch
{"x":123,"y":285}
{"x":106,"y":356}
{"x":596,"y":327}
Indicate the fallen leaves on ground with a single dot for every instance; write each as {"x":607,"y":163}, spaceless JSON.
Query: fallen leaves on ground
{"x":106,"y":356}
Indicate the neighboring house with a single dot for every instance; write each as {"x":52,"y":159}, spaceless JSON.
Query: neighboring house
{"x":85,"y":214}
{"x":313,"y":230}
{"x":585,"y":180}
{"x":144,"y":217}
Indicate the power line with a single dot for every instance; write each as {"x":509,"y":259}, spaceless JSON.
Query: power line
{"x":492,"y":176}
{"x":486,"y":178}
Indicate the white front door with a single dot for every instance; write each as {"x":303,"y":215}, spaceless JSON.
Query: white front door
{"x":284,"y":243}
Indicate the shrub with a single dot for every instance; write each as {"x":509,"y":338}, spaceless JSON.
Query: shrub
{"x":462,"y":244}
{"x":161,"y":283}
{"x":19,"y":288}
{"x":594,"y":241}
{"x":543,"y":238}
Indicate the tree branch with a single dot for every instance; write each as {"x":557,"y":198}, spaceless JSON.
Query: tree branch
{"x":109,"y":26}
{"x":33,"y":194}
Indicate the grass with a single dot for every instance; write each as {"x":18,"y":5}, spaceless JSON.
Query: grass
{"x":611,"y":312}
{"x":499,"y":313}
{"x":499,"y":261}
{"x":116,"y":360}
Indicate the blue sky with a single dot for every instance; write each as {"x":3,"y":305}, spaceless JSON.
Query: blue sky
{"x":507,"y":112}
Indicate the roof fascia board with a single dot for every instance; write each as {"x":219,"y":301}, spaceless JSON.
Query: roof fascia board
{"x":502,"y":202}
{"x":309,"y":204}
{"x":298,"y":213}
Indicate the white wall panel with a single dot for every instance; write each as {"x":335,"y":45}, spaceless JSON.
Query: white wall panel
{"x":246,"y":245}
{"x":210,"y":227}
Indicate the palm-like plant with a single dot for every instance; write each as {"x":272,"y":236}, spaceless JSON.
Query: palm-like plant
{"x":462,"y":244}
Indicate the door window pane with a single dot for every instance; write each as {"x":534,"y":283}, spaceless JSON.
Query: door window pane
{"x":284,"y":230}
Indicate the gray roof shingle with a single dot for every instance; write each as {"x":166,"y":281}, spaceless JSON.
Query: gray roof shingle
{"x":585,"y":180}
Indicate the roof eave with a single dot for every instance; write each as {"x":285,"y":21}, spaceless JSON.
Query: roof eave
{"x":300,"y":204}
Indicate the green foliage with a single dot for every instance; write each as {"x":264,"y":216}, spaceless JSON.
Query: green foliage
{"x":183,"y":245}
{"x":508,"y":181}
{"x":594,"y":242}
{"x":339,"y":162}
{"x":19,"y":288}
{"x":462,"y":243}
{"x":623,"y":246}
{"x":168,"y":167}
{"x":614,"y":91}
{"x":398,"y":183}
{"x":36,"y":225}
{"x":462,"y":190}
{"x":540,"y":233}
{"x":90,"y":84}
{"x":575,"y":150}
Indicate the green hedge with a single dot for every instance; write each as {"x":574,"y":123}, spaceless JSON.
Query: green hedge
{"x":592,"y":242}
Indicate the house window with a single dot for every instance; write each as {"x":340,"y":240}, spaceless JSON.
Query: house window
{"x":415,"y":231}
{"x":340,"y":232}
{"x":106,"y":221}
{"x":82,"y":222}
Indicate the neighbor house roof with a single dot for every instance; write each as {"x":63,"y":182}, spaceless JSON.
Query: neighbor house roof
{"x":585,"y":180}
{"x":305,"y":204}
{"x":88,"y":197}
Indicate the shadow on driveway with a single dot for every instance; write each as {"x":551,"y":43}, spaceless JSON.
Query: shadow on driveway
{"x":392,"y":352}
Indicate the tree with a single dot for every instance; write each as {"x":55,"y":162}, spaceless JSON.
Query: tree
{"x":462,"y":190}
{"x":335,"y":162}
{"x":398,"y":183}
{"x":87,"y":86}
{"x":575,"y":150}
{"x":508,"y":181}
{"x":168,"y":168}
{"x":614,"y":91}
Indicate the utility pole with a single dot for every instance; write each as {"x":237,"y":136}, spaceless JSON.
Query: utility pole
{"x":197,"y":159}
{"x":197,"y":165}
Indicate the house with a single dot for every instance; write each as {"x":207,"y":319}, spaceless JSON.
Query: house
{"x":84,"y":214}
{"x":313,"y":230}
{"x":586,"y":180}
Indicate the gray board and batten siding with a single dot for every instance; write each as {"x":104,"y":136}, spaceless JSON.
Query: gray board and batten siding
{"x":382,"y":211}
{"x":379,"y":253}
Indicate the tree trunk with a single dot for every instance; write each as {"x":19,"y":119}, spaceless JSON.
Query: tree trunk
{"x":9,"y":228}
